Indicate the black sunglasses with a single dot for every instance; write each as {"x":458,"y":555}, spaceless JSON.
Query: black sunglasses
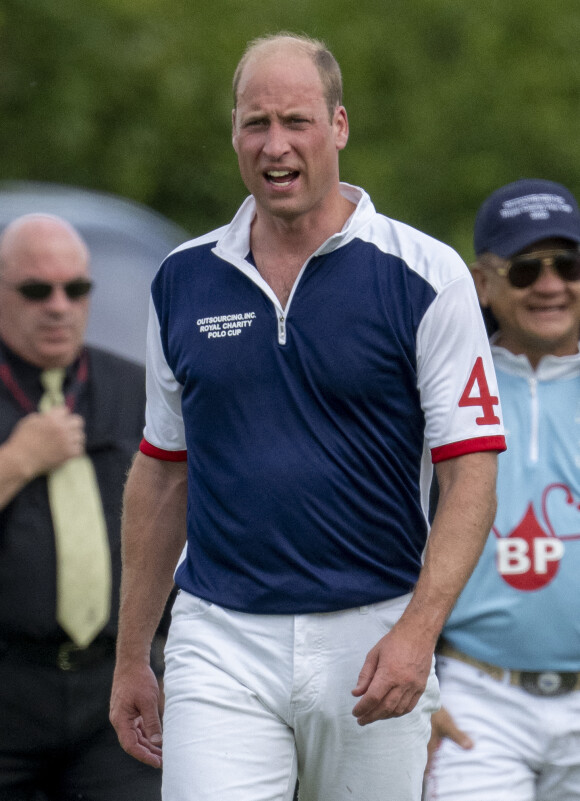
{"x":41,"y":290}
{"x":523,"y":271}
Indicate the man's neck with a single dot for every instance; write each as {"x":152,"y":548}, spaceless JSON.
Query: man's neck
{"x":304,"y":232}
{"x":281,"y":246}
{"x":535,"y":353}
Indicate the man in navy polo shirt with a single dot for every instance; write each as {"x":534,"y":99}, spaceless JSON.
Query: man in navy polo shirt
{"x":307,"y":364}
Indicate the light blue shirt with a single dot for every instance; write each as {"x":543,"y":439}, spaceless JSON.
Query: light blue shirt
{"x":521,"y":608}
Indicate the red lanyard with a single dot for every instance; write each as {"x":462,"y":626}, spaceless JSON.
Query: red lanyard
{"x":22,"y":399}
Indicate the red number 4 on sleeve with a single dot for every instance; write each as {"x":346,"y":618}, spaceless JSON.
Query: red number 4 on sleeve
{"x":484,"y":399}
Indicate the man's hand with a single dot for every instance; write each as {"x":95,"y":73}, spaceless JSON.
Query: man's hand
{"x":135,"y":713}
{"x":46,"y":440}
{"x":393,"y":677}
{"x":443,"y":725}
{"x":38,"y":443}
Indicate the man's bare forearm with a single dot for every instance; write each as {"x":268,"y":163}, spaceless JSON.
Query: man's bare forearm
{"x":153,"y":536}
{"x":395,"y":671}
{"x":462,"y":522}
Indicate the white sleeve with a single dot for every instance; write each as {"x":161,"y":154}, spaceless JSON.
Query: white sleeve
{"x":164,"y":427}
{"x":456,"y":377}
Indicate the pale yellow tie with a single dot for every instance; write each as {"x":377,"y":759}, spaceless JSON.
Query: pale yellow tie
{"x":82,"y":547}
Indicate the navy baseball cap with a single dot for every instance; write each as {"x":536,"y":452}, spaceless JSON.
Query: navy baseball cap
{"x":521,"y":213}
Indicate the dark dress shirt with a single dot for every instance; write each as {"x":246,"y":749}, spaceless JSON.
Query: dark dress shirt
{"x":112,"y":402}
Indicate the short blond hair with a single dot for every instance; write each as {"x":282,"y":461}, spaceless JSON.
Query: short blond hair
{"x":315,"y":49}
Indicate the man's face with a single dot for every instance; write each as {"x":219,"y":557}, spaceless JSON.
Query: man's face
{"x":286,"y":143}
{"x":46,"y":333}
{"x":538,"y":319}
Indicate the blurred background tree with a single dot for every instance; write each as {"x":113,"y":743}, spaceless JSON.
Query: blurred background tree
{"x":447,"y":99}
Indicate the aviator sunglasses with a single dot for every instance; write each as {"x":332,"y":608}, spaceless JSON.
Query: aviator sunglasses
{"x":41,"y":290}
{"x":523,"y":271}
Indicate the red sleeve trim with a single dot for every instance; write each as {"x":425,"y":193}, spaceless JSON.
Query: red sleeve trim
{"x":158,"y":453}
{"x":467,"y":446}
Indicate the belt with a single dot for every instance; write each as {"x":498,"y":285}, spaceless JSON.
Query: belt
{"x":65,"y":655}
{"x":547,"y":683}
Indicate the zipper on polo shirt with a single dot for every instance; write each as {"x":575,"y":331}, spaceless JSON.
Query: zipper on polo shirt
{"x":534,"y":420}
{"x":281,"y":329}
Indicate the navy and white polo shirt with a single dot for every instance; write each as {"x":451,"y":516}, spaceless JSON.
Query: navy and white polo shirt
{"x":310,"y":431}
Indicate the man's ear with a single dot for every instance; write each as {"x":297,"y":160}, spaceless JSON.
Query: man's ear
{"x":481,"y":279}
{"x":340,"y":123}
{"x":234,"y":132}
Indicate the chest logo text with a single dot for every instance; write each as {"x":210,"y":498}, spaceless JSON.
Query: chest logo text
{"x":225,"y":325}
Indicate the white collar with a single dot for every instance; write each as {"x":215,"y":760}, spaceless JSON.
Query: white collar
{"x":235,"y":241}
{"x":549,"y":367}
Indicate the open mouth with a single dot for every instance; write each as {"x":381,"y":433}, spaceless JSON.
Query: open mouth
{"x":281,"y":177}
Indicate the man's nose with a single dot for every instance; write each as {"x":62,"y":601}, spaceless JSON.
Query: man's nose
{"x":549,"y":280}
{"x":58,"y":300}
{"x":276,"y":143}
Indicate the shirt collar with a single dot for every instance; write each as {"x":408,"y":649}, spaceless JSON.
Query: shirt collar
{"x":549,"y":367}
{"x":235,"y":241}
{"x":28,"y":375}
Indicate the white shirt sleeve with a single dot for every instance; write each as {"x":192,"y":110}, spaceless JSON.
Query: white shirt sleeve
{"x":164,"y":427}
{"x":456,"y":377}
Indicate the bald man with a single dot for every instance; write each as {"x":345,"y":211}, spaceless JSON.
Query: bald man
{"x":55,"y":738}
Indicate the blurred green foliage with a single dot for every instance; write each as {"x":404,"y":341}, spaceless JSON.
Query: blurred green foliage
{"x":447,"y":99}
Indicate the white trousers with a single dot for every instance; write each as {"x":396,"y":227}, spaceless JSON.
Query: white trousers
{"x":252,"y":701}
{"x":527,"y":748}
